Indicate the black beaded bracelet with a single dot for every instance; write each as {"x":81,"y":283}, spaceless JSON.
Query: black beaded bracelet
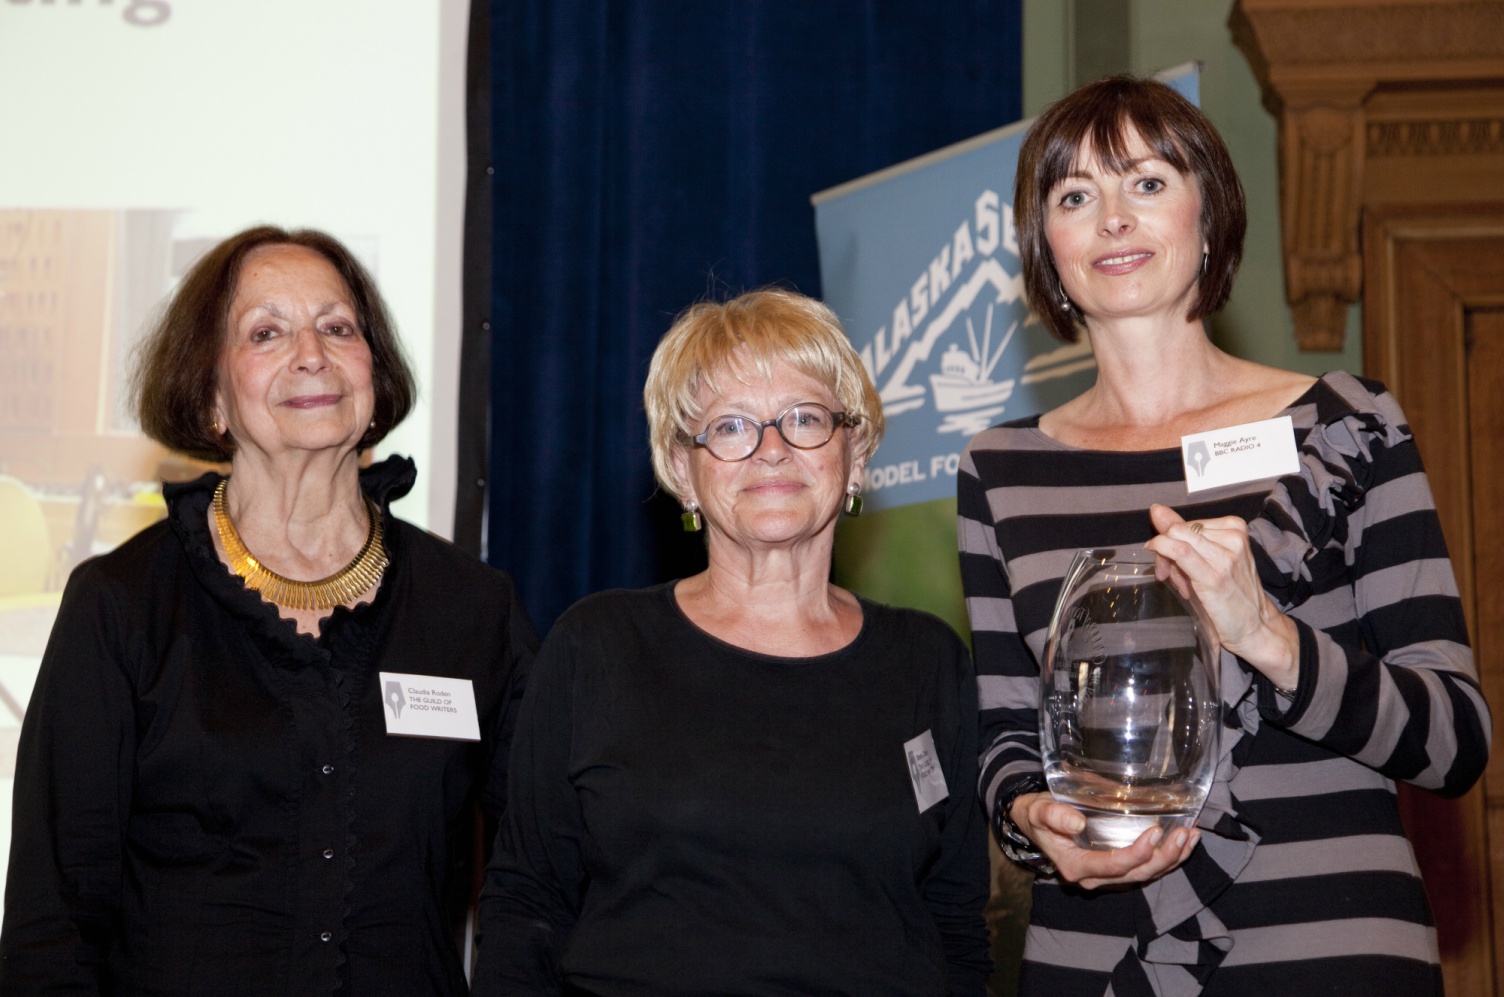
{"x":1012,"y":841}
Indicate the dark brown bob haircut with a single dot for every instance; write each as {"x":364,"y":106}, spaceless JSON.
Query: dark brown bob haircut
{"x":177,"y":364}
{"x":1098,"y":116}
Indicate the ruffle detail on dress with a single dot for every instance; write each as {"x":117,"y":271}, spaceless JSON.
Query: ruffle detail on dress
{"x":1306,"y":511}
{"x":1179,"y":940}
{"x":276,"y":637}
{"x":389,"y":480}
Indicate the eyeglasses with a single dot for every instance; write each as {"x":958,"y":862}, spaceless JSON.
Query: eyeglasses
{"x":804,"y":426}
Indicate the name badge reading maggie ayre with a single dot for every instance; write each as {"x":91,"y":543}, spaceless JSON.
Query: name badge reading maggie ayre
{"x":1231,"y":456}
{"x":924,"y":771}
{"x":429,"y":706}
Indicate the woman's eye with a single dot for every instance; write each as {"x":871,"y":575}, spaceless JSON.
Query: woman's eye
{"x":262,"y":334}
{"x":339,"y":329}
{"x":809,"y":418}
{"x":727,"y":429}
{"x":1074,"y":199}
{"x":1151,"y":185}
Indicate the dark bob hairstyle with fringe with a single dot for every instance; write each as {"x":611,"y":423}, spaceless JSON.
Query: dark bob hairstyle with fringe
{"x":177,"y":365}
{"x":1099,"y":117}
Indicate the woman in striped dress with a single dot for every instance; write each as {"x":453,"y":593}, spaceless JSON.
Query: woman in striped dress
{"x":1345,"y":665}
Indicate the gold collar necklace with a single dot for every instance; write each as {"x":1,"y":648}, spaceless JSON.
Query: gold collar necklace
{"x":326,"y":593}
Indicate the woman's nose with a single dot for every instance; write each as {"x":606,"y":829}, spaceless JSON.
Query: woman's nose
{"x":1117,"y":216}
{"x":311,"y":354}
{"x":773,"y":447}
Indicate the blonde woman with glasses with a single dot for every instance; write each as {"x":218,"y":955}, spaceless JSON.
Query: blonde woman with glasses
{"x":750,"y":781}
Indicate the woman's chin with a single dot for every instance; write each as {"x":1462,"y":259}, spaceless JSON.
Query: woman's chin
{"x":774,"y":530}
{"x":311,"y":440}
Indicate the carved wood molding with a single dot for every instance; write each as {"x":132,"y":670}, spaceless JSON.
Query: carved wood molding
{"x":1321,"y":153}
{"x":1395,"y":353}
{"x":1479,"y":136}
{"x":1319,"y":62}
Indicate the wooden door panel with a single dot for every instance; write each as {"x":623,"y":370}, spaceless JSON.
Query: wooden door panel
{"x":1426,"y":310}
{"x":1484,"y":343}
{"x":1434,"y":288}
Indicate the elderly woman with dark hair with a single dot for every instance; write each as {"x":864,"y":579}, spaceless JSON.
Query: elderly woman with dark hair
{"x":259,"y":725}
{"x":749,"y":781}
{"x":1345,"y":665}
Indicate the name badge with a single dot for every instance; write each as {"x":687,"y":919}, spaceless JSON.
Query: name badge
{"x":924,"y":771}
{"x":429,"y":706}
{"x":1236,"y":454}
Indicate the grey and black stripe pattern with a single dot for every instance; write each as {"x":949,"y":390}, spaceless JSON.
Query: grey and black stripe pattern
{"x":1304,"y":881}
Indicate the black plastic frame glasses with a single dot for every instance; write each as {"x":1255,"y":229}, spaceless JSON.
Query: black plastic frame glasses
{"x":833,"y":420}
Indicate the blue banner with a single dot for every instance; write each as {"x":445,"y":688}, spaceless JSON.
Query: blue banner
{"x":921,"y":263}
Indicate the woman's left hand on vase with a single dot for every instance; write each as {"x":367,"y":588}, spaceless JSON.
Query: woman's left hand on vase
{"x":1212,"y":559}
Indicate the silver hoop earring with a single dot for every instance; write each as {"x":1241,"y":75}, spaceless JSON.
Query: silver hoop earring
{"x":690,"y":518}
{"x":1203,"y":263}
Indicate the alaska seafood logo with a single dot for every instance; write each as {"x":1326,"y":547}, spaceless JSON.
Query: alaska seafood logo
{"x":951,"y":355}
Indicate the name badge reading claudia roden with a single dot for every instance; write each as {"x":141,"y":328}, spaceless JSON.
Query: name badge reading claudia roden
{"x":1236,"y":454}
{"x":924,"y":771}
{"x":429,"y":706}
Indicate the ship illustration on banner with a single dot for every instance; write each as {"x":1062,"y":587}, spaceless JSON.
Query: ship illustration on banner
{"x":966,"y":390}
{"x":921,"y":263}
{"x":956,"y":348}
{"x":963,"y":365}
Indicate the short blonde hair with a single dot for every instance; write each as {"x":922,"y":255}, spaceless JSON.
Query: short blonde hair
{"x":758,"y":328}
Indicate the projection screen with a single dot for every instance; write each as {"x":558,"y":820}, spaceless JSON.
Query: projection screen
{"x":136,"y":134}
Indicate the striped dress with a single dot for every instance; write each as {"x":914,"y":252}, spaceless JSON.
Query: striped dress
{"x":1303,"y":882}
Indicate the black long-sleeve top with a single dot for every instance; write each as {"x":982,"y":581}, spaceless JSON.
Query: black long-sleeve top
{"x":207,"y":802}
{"x":687,"y":817}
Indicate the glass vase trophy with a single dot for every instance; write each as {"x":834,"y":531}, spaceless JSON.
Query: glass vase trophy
{"x":1130,"y":713}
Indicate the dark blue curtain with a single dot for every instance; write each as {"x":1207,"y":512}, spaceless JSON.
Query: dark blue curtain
{"x":650,"y":153}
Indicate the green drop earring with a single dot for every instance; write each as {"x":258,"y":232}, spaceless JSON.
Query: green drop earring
{"x":853,"y":501}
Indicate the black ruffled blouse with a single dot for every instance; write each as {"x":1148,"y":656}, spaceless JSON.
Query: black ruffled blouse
{"x":208,"y":802}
